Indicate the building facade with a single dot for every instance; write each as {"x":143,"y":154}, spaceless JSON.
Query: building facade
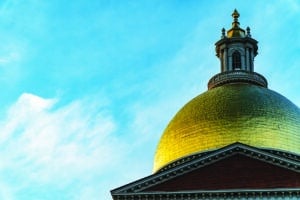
{"x":237,"y":140}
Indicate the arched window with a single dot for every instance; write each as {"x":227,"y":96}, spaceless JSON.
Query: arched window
{"x":236,"y":60}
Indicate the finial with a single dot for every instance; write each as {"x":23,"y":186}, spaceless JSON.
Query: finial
{"x":248,"y":31}
{"x":223,"y":33}
{"x":235,"y":15}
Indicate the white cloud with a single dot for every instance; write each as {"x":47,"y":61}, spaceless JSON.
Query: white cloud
{"x":77,"y":145}
{"x":41,"y":144}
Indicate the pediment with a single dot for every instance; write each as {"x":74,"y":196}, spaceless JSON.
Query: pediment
{"x":236,"y":166}
{"x":236,"y":171}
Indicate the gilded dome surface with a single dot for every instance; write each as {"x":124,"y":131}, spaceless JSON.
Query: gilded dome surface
{"x":241,"y":112}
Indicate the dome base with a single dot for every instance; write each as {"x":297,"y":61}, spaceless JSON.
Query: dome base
{"x":237,"y":76}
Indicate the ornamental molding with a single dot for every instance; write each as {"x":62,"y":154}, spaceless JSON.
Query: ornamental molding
{"x":237,"y":76}
{"x":286,"y":193}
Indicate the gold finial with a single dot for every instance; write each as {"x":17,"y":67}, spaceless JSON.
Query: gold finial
{"x":235,"y":31}
{"x":235,"y":15}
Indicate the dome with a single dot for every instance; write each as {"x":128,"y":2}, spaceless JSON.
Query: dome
{"x":230,"y":113}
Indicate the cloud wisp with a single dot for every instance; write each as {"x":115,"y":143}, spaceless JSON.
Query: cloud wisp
{"x":42,"y":145}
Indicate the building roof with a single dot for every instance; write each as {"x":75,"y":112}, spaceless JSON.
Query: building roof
{"x":251,"y":167}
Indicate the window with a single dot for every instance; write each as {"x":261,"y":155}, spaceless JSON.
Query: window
{"x":236,"y":60}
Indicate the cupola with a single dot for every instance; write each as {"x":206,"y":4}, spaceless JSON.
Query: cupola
{"x":236,"y":51}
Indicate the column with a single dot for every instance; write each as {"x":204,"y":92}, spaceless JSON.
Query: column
{"x":225,"y":60}
{"x":222,"y":60}
{"x":247,"y":60}
{"x":243,"y":64}
{"x":251,"y":62}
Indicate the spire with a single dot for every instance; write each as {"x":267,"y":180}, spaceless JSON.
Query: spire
{"x":235,"y":31}
{"x":236,"y":52}
{"x":235,"y":15}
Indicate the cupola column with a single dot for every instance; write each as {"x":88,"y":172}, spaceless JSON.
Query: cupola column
{"x":225,"y":59}
{"x":251,"y":61}
{"x":247,"y":59}
{"x":243,"y":66}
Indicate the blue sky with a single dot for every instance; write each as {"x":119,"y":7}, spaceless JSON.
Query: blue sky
{"x":87,"y":87}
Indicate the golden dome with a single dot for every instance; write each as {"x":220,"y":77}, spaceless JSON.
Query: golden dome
{"x":231,"y":113}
